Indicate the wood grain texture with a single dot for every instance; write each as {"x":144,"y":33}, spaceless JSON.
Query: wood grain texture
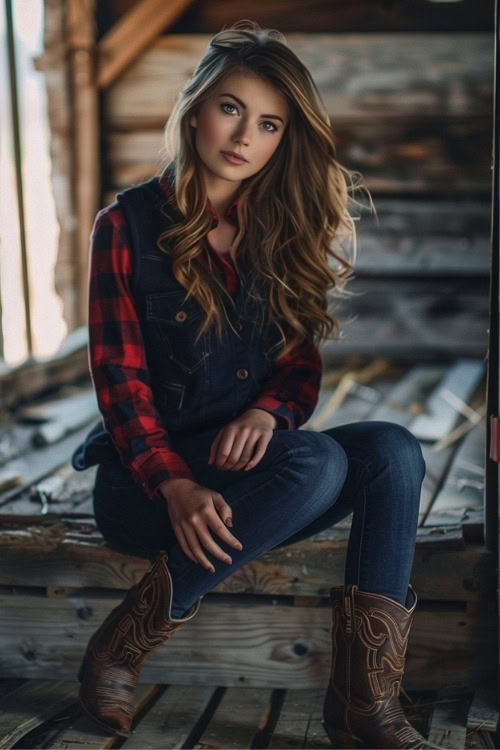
{"x":444,"y":568}
{"x":379,"y":77}
{"x":245,"y":642}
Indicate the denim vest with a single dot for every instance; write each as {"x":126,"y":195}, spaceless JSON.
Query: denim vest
{"x":195,"y":386}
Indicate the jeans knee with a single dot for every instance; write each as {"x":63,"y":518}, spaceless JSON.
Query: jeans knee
{"x":396,"y":442}
{"x":329,"y":458}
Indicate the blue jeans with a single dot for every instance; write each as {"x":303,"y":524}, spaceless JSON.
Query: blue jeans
{"x":306,"y":482}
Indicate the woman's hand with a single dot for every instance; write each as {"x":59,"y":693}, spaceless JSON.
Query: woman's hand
{"x":243,"y":441}
{"x":193,"y":510}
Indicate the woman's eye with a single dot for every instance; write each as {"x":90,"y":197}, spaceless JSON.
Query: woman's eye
{"x":227,"y":104}
{"x":224,"y":105}
{"x":268,"y":122}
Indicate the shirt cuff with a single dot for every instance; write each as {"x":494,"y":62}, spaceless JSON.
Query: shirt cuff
{"x":284,"y":416}
{"x":155,"y":467}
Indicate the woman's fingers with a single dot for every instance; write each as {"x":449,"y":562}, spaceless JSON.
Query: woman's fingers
{"x":197,"y":533}
{"x":241,"y":450}
{"x":215,"y":447}
{"x":202,"y":530}
{"x":181,"y":538}
{"x":249,"y":455}
{"x":196,"y":549}
{"x":259,"y":450}
{"x":224,"y":448}
{"x":215,"y":522}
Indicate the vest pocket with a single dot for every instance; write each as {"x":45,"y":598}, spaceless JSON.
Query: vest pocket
{"x":177,"y":322}
{"x":172,"y":396}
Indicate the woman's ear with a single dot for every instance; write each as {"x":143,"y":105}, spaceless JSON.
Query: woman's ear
{"x":193,"y":121}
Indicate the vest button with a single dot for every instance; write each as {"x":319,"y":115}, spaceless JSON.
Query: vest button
{"x":238,"y":326}
{"x":242,"y":374}
{"x":180,"y":316}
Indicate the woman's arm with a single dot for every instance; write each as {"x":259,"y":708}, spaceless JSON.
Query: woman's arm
{"x":117,"y":360}
{"x":292,"y":392}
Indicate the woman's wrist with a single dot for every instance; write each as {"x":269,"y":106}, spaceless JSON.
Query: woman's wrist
{"x":168,"y":485}
{"x":273,"y":422}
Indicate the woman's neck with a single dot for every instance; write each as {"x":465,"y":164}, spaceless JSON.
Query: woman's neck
{"x":220,"y":193}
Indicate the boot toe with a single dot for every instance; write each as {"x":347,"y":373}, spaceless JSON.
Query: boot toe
{"x":108,"y":716}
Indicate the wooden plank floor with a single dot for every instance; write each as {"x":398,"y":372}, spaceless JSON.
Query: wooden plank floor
{"x":36,"y":714}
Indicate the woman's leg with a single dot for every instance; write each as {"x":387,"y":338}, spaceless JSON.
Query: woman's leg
{"x":375,"y":471}
{"x":298,"y":479}
{"x":382,"y":489}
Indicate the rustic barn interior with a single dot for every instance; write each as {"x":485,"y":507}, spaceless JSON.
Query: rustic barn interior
{"x":409,"y":88}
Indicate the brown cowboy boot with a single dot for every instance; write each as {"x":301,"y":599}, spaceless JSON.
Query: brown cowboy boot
{"x":134,"y":629}
{"x":369,"y":639}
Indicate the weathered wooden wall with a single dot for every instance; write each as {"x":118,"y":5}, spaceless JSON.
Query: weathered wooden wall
{"x":412,"y":113}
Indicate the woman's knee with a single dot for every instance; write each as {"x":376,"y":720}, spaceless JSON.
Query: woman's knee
{"x":325,"y":456}
{"x":394,"y":442}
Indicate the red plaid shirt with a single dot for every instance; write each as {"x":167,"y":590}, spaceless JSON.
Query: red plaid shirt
{"x":125,"y":398}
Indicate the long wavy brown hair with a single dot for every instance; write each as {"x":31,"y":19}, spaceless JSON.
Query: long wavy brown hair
{"x":293,"y":218}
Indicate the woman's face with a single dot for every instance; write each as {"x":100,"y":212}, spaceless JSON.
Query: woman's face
{"x":246,"y":115}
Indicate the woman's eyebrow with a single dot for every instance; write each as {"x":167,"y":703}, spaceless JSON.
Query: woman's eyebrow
{"x":273,"y":117}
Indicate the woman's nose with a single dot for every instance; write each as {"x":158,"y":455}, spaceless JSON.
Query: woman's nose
{"x":242,"y":135}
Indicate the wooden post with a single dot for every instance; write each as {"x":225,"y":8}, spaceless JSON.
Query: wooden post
{"x":491,"y":504}
{"x":82,"y":45}
{"x":16,"y":139}
{"x":492,"y":477}
{"x":53,"y":63}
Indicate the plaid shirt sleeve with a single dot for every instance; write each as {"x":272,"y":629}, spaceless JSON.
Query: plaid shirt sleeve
{"x":292,"y":392}
{"x":118,"y":363}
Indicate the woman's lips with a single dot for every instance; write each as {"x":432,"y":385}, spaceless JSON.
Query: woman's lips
{"x":232,"y":159}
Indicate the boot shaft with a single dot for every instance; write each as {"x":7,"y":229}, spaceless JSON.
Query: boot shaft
{"x":142,"y":622}
{"x":370,"y":635}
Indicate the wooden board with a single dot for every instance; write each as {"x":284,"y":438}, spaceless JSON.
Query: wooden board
{"x":356,"y":407}
{"x":66,"y":366}
{"x":484,"y":712}
{"x":299,"y":721}
{"x":463,"y":489}
{"x":441,"y":413}
{"x":176,"y":716}
{"x":424,"y":238}
{"x":41,"y":462}
{"x":449,"y":718}
{"x":75,"y":556}
{"x":61,"y":416}
{"x":200,"y":716}
{"x":239,"y":641}
{"x":44,"y":700}
{"x":389,"y":76}
{"x":237,"y":718}
{"x":408,"y":321}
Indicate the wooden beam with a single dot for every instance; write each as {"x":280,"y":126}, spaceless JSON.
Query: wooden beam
{"x":131,"y":35}
{"x":81,"y":39}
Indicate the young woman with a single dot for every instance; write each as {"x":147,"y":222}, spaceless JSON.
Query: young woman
{"x":209,"y":296}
